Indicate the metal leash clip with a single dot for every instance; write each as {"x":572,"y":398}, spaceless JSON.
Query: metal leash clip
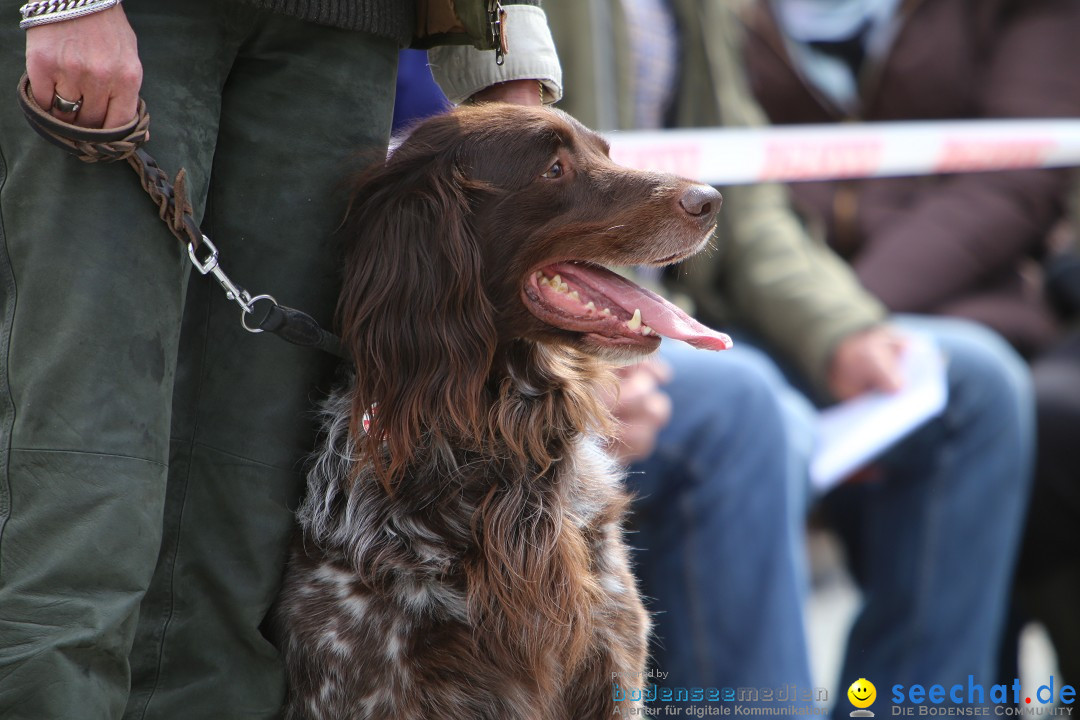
{"x":235,"y":293}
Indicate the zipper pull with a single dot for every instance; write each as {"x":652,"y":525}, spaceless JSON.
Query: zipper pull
{"x":497,"y":22}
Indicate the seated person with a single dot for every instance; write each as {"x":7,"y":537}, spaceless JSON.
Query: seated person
{"x":976,"y":245}
{"x":938,"y":525}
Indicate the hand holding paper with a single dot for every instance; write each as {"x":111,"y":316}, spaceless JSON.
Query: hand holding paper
{"x":855,"y":432}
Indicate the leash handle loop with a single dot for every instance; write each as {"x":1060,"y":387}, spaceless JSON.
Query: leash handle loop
{"x":88,"y":144}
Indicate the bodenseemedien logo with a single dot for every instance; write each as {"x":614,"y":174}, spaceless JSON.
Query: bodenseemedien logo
{"x":862,"y":694}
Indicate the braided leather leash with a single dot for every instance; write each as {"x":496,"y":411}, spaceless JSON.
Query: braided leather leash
{"x":174,"y":208}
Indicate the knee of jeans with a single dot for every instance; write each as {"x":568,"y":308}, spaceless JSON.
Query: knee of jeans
{"x":800,"y":423}
{"x":762,"y":410}
{"x":722,"y":403}
{"x":722,"y":392}
{"x":984,"y":361}
{"x":991,"y":388}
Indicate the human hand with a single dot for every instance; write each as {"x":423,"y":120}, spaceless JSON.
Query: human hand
{"x":866,"y":360}
{"x":641,"y":408}
{"x":516,"y":92}
{"x":94,"y":57}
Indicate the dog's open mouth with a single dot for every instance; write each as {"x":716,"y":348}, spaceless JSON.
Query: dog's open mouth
{"x":611,"y":310}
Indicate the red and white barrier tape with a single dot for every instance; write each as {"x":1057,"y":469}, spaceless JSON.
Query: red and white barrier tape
{"x":735,"y":156}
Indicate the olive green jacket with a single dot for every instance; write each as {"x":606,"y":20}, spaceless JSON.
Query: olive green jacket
{"x":767,"y":274}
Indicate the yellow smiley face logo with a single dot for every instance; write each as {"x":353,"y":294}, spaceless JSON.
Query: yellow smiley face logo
{"x":862,"y":693}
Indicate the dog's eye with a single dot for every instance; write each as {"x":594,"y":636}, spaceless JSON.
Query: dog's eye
{"x":554,"y":171}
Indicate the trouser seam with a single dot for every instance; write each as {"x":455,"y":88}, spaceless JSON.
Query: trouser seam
{"x":198,"y":443}
{"x":64,"y":451}
{"x":7,"y":404}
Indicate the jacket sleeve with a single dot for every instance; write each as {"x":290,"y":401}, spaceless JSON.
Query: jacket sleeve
{"x":969,"y":228}
{"x":462,"y":71}
{"x":769,"y":277}
{"x":767,"y":273}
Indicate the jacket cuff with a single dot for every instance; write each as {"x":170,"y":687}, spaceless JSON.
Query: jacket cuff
{"x":462,"y":71}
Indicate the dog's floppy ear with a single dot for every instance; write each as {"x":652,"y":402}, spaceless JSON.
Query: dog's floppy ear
{"x":413,"y":312}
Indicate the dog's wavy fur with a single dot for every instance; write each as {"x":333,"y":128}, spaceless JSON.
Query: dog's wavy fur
{"x":463,"y":557}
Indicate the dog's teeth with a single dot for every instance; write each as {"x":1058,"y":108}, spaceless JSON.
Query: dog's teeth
{"x":646,"y":330}
{"x":606,"y":312}
{"x":635,"y":322}
{"x":590,"y":307}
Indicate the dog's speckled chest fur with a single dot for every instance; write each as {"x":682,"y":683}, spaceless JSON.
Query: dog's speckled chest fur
{"x":376,"y":604}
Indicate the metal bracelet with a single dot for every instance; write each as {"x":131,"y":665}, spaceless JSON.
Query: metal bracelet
{"x":42,"y":12}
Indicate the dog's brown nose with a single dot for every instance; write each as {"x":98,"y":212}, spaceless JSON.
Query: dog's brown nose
{"x":701,"y":201}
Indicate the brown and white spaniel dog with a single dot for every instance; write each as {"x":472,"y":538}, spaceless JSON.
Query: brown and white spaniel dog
{"x":460,"y":554}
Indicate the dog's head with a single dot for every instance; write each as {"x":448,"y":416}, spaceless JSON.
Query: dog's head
{"x":489,"y":226}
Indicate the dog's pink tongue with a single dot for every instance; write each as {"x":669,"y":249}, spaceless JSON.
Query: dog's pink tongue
{"x":662,"y":316}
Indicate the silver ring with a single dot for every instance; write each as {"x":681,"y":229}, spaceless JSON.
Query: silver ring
{"x":246,"y":312}
{"x":66,"y":106}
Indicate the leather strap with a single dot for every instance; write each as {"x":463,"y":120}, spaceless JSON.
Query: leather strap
{"x":88,"y":144}
{"x":300,"y":329}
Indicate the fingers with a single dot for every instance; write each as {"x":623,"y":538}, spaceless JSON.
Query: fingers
{"x":94,"y":59}
{"x":658,"y":409}
{"x":868,"y":360}
{"x":41,"y":87}
{"x":897,"y":342}
{"x":641,"y":402}
{"x":883,"y":372}
{"x":653,"y":367}
{"x":659,"y":369}
{"x":105,"y":101}
{"x":66,"y":89}
{"x":124,"y":103}
{"x":641,"y":407}
{"x":885,"y":367}
{"x":51,"y":74}
{"x":640,"y":420}
{"x":637,"y":382}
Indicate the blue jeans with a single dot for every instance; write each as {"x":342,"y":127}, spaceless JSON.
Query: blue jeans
{"x":719,"y":522}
